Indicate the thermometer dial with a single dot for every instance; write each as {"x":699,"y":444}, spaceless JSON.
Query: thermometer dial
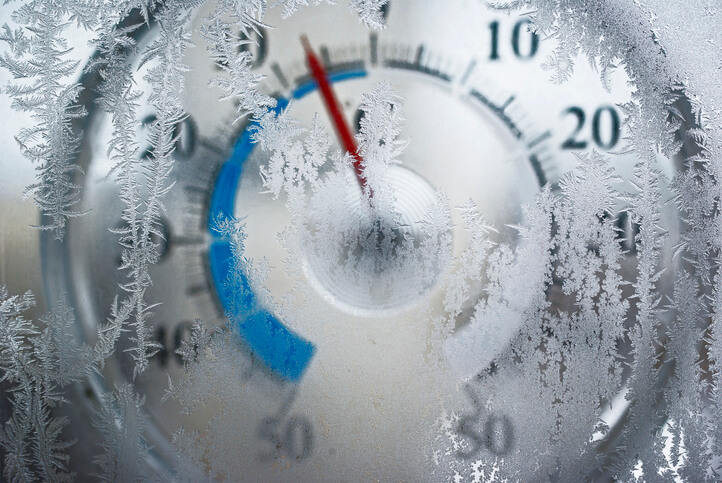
{"x":333,"y":378}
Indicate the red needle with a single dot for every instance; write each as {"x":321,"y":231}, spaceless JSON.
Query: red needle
{"x":334,"y":110}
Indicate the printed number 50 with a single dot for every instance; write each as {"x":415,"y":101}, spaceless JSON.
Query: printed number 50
{"x":294,"y":439}
{"x":497,"y":437}
{"x":498,"y":434}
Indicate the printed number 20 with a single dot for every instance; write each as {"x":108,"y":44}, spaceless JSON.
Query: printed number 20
{"x":605,"y":114}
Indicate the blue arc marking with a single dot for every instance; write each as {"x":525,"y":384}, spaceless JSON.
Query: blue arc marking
{"x":282,"y":350}
{"x":311,"y":86}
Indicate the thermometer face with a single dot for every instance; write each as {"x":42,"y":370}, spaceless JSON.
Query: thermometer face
{"x":367,"y":393}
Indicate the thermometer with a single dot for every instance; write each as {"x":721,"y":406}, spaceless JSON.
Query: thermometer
{"x":331,"y":378}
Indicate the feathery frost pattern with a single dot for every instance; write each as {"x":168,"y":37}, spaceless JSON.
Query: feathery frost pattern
{"x":38,"y":361}
{"x":121,"y":422}
{"x":359,"y":239}
{"x":40,"y":65}
{"x":140,"y":249}
{"x":600,"y":321}
{"x":370,"y":12}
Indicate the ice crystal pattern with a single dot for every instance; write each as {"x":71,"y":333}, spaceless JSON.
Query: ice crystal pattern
{"x":354,"y":237}
{"x":581,"y":323}
{"x":38,"y":360}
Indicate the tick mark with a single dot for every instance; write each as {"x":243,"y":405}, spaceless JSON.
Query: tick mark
{"x":419,"y":54}
{"x":196,"y":189}
{"x":499,"y":111}
{"x":184,"y":240}
{"x":212,"y":146}
{"x":197,"y":290}
{"x":468,"y":71}
{"x":416,"y":64}
{"x":374,"y":48}
{"x":539,"y":139}
{"x":507,"y":103}
{"x":538,"y":170}
{"x":325,"y":56}
{"x":279,"y":75}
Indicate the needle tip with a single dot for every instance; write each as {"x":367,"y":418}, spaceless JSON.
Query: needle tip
{"x":306,"y":44}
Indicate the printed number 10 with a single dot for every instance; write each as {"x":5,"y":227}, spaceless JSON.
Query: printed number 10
{"x":526,"y":52}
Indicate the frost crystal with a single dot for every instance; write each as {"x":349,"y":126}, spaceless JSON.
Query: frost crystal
{"x":40,"y":66}
{"x":360,"y":242}
{"x":370,"y":12}
{"x":121,"y":423}
{"x":142,"y":216}
{"x":224,"y":47}
{"x":594,"y":306}
{"x":38,"y":361}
